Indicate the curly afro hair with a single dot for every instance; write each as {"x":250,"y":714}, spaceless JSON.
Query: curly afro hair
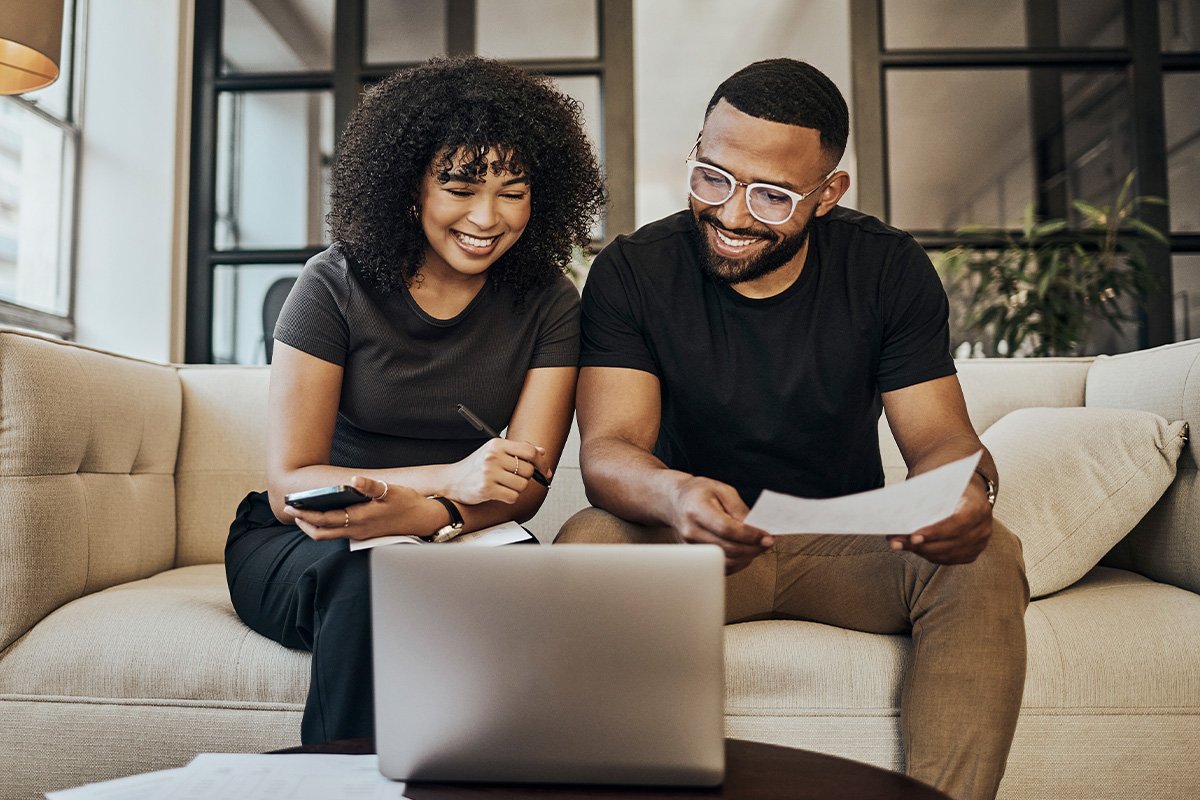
{"x":452,"y":111}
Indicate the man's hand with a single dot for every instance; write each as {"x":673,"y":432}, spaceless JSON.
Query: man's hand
{"x":710,"y":512}
{"x":960,"y":537}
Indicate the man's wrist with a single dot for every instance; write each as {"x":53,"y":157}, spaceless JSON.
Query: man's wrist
{"x":989,"y":486}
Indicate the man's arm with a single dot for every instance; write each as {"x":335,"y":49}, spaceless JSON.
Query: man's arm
{"x":930,"y":423}
{"x":619,"y":414}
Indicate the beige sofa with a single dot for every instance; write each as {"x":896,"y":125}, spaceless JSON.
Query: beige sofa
{"x":120,"y":653}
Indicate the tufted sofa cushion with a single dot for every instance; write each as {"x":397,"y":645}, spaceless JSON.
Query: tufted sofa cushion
{"x":87,"y":489}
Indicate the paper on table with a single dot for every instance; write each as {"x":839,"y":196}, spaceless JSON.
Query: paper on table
{"x":901,"y":508}
{"x":291,"y":776}
{"x":251,"y":777}
{"x":504,"y":533}
{"x":150,"y":786}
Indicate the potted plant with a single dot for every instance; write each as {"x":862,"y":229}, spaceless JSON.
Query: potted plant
{"x":1040,"y":293}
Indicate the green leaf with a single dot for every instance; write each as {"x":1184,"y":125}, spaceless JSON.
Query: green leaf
{"x":1048,"y":227}
{"x":1094,"y":214}
{"x":1151,"y":231}
{"x":1125,"y":188}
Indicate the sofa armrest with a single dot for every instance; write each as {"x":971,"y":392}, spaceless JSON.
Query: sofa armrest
{"x":1166,"y":381}
{"x":88,"y":442}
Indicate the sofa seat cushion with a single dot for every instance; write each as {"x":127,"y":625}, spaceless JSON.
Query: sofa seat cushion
{"x":1115,"y":641}
{"x":173,"y":636}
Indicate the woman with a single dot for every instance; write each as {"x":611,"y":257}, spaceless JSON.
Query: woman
{"x":458,"y":190}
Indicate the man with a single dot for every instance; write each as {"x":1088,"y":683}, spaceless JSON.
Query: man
{"x":749,"y":343}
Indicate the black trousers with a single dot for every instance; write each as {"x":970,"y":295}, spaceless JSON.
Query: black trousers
{"x":312,"y":596}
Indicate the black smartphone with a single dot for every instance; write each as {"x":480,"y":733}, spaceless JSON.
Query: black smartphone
{"x":326,"y":498}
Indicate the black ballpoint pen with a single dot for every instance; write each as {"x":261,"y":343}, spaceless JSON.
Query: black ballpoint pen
{"x":480,"y":425}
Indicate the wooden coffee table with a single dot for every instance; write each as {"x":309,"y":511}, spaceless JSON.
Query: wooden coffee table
{"x":753,"y":771}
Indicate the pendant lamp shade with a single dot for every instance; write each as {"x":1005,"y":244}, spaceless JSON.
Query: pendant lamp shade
{"x":30,"y":44}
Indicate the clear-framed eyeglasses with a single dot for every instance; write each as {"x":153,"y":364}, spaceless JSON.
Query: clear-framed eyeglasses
{"x":766,"y":202}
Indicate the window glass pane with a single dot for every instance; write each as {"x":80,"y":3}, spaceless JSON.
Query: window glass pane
{"x":274,"y":150}
{"x":941,"y":24}
{"x":953,"y":23}
{"x":954,"y":160}
{"x":1098,"y":136}
{"x":35,"y":186}
{"x":1091,"y":23}
{"x":586,"y":89}
{"x":54,"y":98}
{"x":277,"y":35}
{"x":1179,"y":25}
{"x":1186,"y":279}
{"x":1180,"y":91}
{"x":400,"y":32}
{"x":245,"y":309}
{"x":519,"y":29}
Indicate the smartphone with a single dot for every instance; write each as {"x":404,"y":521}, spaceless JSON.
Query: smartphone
{"x":326,"y":498}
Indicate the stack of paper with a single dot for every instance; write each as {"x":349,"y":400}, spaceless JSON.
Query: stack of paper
{"x":505,"y":533}
{"x":250,"y":777}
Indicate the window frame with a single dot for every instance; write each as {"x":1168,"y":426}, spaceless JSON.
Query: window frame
{"x":1141,"y":58}
{"x":349,"y":75}
{"x":12,"y":312}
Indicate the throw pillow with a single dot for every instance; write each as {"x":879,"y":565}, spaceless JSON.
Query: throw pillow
{"x":1074,"y":481}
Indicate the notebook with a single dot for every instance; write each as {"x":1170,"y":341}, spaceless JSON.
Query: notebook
{"x":558,"y":664}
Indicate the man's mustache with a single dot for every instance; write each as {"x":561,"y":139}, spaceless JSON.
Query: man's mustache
{"x":735,"y":233}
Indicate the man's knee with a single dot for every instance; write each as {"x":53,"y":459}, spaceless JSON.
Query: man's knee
{"x":998,"y":574}
{"x":595,"y":526}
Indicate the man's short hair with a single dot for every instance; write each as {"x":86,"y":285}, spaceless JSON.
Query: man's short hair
{"x":792,"y":92}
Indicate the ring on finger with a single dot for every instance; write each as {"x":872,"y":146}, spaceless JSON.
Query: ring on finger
{"x":517,"y":466}
{"x":346,"y":511}
{"x":386,"y":486}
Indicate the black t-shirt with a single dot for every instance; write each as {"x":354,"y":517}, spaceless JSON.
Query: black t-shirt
{"x":780,"y":393}
{"x":405,"y":372}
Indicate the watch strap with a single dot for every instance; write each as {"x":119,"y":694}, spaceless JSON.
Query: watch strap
{"x":454,"y":527}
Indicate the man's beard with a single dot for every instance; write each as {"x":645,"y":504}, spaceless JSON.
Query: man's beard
{"x":732,"y":271}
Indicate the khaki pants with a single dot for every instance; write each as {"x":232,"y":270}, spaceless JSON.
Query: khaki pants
{"x":962,"y":691}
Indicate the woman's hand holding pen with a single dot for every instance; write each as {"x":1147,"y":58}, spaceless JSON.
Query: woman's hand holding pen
{"x":391,"y":509}
{"x":499,"y":470}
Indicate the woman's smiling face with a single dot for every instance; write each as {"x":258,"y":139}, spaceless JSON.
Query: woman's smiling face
{"x":471,"y":220}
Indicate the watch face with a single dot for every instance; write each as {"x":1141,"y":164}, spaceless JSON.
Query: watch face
{"x":447,"y":533}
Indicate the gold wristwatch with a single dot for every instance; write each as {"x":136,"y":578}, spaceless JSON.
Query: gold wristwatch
{"x":450,"y":530}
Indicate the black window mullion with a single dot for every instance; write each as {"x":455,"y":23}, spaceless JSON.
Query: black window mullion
{"x":202,"y":183}
{"x":870,"y":104}
{"x":461,"y":17}
{"x":349,"y":53}
{"x":1150,"y":161}
{"x":615,"y":23}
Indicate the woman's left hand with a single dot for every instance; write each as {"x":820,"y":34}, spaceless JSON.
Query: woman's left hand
{"x":382,"y":515}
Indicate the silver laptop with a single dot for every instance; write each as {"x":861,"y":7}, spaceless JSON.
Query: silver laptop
{"x":567,"y":664}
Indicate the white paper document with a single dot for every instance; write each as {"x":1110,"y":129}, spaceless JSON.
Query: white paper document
{"x":900,"y":508}
{"x":150,"y":786}
{"x":220,"y":776}
{"x":505,"y":533}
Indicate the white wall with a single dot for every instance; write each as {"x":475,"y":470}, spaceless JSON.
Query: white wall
{"x":684,"y":48}
{"x":127,"y":198}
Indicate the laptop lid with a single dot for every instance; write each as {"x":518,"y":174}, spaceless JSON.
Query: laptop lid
{"x":567,"y":664}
